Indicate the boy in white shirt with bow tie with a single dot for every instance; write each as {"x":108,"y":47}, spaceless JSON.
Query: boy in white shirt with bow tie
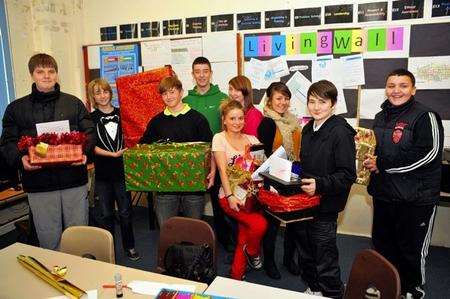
{"x":109,"y":173}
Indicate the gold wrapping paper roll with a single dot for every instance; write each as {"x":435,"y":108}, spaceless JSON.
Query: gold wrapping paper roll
{"x":58,"y":282}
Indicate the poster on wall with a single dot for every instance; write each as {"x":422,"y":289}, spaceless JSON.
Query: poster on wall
{"x":108,"y":33}
{"x":440,"y":8}
{"x":369,"y":12}
{"x":117,"y":61}
{"x":431,"y":72}
{"x":407,"y":9}
{"x":247,"y":21}
{"x":307,"y":16}
{"x":339,"y":14}
{"x":150,"y":29}
{"x":173,"y":27}
{"x":277,"y":18}
{"x":195,"y":25}
{"x":128,"y":31}
{"x":222,"y":22}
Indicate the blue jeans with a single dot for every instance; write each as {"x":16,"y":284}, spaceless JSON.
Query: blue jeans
{"x":108,"y":192}
{"x":169,"y":205}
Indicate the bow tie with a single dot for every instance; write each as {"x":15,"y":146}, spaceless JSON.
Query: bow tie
{"x":106,"y":119}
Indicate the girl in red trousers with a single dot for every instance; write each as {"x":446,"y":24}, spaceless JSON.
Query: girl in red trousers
{"x":227,"y":146}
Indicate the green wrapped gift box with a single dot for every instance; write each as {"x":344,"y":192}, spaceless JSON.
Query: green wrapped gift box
{"x":167,"y":167}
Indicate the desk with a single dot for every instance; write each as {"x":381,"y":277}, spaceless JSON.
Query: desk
{"x":18,"y":282}
{"x":445,"y":199}
{"x":13,"y":207}
{"x":227,"y":287}
{"x":10,"y":195}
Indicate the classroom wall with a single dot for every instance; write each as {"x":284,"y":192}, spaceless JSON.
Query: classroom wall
{"x":36,"y":26}
{"x":50,"y":26}
{"x":357,"y":218}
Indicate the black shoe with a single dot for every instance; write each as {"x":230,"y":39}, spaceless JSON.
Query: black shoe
{"x":272,"y":271}
{"x":132,"y":254}
{"x":292,"y":267}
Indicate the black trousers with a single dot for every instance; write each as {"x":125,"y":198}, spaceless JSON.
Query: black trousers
{"x":270,"y":238}
{"x":319,"y":256}
{"x":402,"y":234}
{"x":224,"y":226}
{"x":108,"y":192}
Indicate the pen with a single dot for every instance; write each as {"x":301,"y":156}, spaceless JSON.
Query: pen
{"x":112,"y":286}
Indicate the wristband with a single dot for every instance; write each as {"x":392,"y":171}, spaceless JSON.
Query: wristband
{"x":228,"y":196}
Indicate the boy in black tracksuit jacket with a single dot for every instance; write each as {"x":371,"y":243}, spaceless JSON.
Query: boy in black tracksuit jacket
{"x":405,"y":180}
{"x":327,"y":155}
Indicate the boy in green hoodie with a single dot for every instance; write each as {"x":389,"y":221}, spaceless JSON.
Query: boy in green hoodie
{"x":206,"y":98}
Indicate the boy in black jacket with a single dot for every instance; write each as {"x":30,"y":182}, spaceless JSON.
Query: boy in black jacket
{"x":57,"y":195}
{"x":405,"y":180}
{"x":178,"y":123}
{"x":327,"y":155}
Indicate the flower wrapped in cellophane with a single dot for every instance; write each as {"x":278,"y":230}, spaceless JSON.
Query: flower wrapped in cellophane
{"x":240,"y":178}
{"x":365,"y":143}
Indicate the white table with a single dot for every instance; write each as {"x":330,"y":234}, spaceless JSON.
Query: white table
{"x":17,"y":282}
{"x":228,"y":287}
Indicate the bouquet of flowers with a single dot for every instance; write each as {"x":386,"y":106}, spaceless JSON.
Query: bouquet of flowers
{"x":240,"y":177}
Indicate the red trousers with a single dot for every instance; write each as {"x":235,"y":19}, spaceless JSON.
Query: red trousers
{"x":251,"y":229}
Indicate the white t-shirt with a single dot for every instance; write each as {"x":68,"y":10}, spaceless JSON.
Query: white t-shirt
{"x":221,"y":144}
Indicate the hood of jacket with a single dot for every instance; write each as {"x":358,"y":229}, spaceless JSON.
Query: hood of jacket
{"x":333,"y":121}
{"x":213,"y":90}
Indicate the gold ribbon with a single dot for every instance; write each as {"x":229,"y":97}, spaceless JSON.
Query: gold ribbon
{"x":54,"y":278}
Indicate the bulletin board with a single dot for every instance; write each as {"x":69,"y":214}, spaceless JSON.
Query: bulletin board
{"x":424,"y":50}
{"x":219,"y":48}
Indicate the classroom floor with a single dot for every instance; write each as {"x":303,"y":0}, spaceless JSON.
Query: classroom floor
{"x":438,"y":262}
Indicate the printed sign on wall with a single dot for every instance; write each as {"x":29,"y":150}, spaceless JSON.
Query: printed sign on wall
{"x":277,"y":18}
{"x":440,"y":8}
{"x":128,"y":31}
{"x":222,"y":22}
{"x":247,"y":21}
{"x":150,"y":29}
{"x":108,"y":33}
{"x":407,"y":9}
{"x":195,"y":25}
{"x":333,"y":41}
{"x":172,"y":27}
{"x":339,"y":14}
{"x":307,"y":16}
{"x":368,"y":12}
{"x":116,"y":61}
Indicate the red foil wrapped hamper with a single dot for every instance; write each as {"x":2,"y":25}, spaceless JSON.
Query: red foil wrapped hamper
{"x":280,"y":203}
{"x":140,"y":101}
{"x":57,"y":155}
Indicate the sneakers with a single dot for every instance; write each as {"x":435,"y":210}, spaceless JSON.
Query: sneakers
{"x":308,"y":291}
{"x":132,"y":254}
{"x":254,"y":262}
{"x":416,"y":293}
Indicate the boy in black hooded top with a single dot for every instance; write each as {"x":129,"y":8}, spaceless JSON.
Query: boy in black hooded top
{"x":328,"y":161}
